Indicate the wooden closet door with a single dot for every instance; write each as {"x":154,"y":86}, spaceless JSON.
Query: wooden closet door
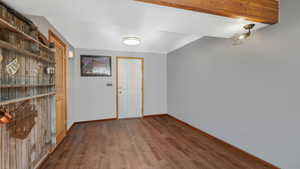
{"x":61,"y":106}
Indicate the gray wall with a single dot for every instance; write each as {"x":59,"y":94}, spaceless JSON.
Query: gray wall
{"x":44,"y":26}
{"x":247,"y":95}
{"x":93,"y":100}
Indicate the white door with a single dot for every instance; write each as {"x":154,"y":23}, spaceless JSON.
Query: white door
{"x":129,"y":87}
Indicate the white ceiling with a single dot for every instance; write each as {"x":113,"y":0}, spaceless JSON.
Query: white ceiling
{"x":101,"y":24}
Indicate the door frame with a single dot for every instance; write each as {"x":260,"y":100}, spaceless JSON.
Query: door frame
{"x":52,"y":35}
{"x":117,"y":82}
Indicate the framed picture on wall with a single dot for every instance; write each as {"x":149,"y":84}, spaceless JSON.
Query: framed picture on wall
{"x":95,"y":65}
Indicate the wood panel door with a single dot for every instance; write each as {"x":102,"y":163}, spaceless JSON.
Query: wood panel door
{"x":61,"y":98}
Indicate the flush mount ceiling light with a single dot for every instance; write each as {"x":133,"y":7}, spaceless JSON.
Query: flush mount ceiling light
{"x":131,"y":41}
{"x":239,"y":38}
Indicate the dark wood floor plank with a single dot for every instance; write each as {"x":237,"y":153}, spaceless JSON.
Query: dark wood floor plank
{"x":148,"y":143}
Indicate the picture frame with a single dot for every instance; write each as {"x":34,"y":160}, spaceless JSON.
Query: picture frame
{"x":92,"y":65}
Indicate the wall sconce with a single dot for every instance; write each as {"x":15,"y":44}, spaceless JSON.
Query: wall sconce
{"x":71,"y":54}
{"x":238,"y":39}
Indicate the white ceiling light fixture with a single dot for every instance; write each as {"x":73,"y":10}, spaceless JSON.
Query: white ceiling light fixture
{"x":131,"y":41}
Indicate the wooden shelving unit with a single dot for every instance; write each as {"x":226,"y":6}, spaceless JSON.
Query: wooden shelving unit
{"x":6,"y":45}
{"x":26,"y":98}
{"x":24,"y":86}
{"x":27,"y":91}
{"x":4,"y":24}
{"x":9,"y":46}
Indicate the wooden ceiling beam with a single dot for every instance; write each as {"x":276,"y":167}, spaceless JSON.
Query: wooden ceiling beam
{"x":263,"y":11}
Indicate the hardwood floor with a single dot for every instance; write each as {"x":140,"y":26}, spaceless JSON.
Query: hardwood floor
{"x":149,"y":143}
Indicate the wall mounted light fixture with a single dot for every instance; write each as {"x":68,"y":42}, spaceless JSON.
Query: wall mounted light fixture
{"x":239,"y":38}
{"x":71,"y":54}
{"x":248,"y":27}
